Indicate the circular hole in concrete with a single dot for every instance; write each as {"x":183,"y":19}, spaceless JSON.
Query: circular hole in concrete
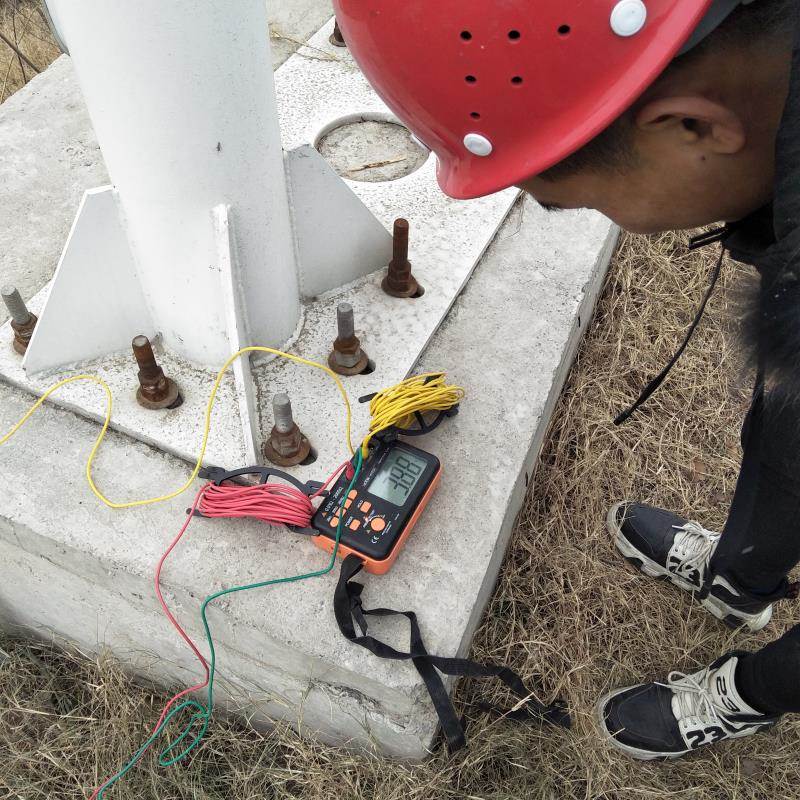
{"x":310,"y":458}
{"x":370,"y":368}
{"x":420,"y":291}
{"x":371,"y":150}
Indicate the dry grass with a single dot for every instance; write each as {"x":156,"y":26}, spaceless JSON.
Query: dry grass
{"x":565,"y":606}
{"x":23,"y":24}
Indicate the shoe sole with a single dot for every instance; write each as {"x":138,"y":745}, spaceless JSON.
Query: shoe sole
{"x":649,"y":755}
{"x":717,"y":608}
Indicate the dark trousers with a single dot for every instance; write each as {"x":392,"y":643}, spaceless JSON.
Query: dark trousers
{"x":768,"y":679}
{"x":760,"y":544}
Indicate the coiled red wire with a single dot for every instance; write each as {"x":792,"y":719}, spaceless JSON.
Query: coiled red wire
{"x":277,"y":504}
{"x":273,"y":503}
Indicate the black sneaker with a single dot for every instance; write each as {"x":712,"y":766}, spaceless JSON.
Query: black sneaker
{"x":669,"y":720}
{"x":663,"y":545}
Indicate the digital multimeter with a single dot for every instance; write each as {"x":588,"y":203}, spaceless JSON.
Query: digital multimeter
{"x":395,"y":484}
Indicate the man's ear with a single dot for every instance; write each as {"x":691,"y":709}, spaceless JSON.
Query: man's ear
{"x":699,"y":121}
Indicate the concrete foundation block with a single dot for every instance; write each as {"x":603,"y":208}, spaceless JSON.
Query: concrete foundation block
{"x":75,"y":568}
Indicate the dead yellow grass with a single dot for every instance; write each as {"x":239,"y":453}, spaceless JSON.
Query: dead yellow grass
{"x":566,"y":607}
{"x":23,"y":24}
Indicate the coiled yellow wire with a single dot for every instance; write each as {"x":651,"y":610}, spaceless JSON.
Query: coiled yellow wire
{"x":397,"y":406}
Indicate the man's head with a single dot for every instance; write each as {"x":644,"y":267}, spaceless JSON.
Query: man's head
{"x":698,"y":146}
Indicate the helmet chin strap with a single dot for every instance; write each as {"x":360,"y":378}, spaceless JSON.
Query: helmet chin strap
{"x":717,"y":14}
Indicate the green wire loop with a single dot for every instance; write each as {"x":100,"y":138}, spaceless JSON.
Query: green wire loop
{"x":203,"y":712}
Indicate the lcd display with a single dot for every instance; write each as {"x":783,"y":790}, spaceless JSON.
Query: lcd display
{"x":397,"y":477}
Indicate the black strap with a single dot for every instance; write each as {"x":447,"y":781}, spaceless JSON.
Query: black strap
{"x":654,"y":384}
{"x":347,"y":606}
{"x":710,"y":237}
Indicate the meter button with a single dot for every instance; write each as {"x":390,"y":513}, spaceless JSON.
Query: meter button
{"x":378,"y":524}
{"x":355,"y":524}
{"x":365,"y":507}
{"x":335,"y":522}
{"x":348,"y":503}
{"x":353,"y":494}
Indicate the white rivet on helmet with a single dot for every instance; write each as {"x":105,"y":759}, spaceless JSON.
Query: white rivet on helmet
{"x":478,"y":145}
{"x":628,"y":17}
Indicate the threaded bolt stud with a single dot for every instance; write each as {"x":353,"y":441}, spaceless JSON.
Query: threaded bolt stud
{"x":399,"y":282}
{"x":347,"y":356}
{"x":23,"y":322}
{"x":345,"y":321}
{"x":286,"y":445}
{"x":16,"y":305}
{"x":156,"y":390}
{"x":282,"y":410}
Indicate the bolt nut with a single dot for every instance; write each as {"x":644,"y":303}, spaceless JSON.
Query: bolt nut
{"x":23,"y":334}
{"x":156,"y":391}
{"x":286,"y":446}
{"x":23,"y":322}
{"x":347,"y":357}
{"x":399,"y":282}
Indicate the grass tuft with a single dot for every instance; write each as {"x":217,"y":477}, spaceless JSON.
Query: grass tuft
{"x":26,"y":45}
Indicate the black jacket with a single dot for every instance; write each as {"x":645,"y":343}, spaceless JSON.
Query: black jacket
{"x":770,"y":241}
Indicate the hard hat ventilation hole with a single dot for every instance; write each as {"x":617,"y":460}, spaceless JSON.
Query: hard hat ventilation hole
{"x":514,"y":35}
{"x":516,"y":80}
{"x":475,"y":115}
{"x":466,"y":35}
{"x":471,"y":79}
{"x":564,"y":30}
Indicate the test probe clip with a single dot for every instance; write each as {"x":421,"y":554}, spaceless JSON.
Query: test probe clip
{"x":424,"y":426}
{"x":427,"y":420}
{"x":218,"y":476}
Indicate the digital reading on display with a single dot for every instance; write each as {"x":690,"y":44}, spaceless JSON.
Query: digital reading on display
{"x":397,"y":477}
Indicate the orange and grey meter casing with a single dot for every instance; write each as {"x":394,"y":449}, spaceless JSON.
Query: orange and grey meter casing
{"x":395,"y":484}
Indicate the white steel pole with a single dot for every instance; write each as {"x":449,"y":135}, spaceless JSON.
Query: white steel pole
{"x":181,"y":96}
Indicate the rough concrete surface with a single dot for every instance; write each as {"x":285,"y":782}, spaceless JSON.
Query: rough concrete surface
{"x":81,"y":570}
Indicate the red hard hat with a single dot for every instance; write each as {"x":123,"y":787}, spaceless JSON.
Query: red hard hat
{"x":501,"y":90}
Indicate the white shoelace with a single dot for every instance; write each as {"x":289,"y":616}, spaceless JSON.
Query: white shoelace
{"x":692,"y":698}
{"x":694,"y":545}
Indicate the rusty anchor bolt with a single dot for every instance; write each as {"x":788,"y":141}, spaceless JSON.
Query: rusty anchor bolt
{"x":347,"y":357}
{"x":155,"y":390}
{"x":399,"y":282}
{"x":336,"y":38}
{"x":286,"y":446}
{"x":22,"y":321}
